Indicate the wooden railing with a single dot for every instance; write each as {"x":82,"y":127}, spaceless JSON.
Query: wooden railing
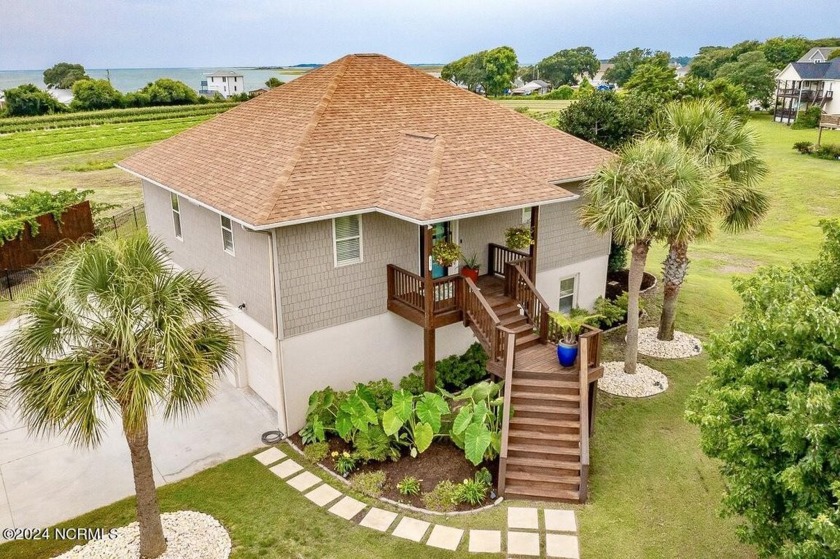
{"x":583,"y":380}
{"x":477,"y":311}
{"x":510,"y":351}
{"x":406,"y":287}
{"x":498,"y":256}
{"x":519,"y":287}
{"x":448,"y":293}
{"x":830,"y":121}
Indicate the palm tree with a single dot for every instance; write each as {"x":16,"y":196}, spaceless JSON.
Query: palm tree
{"x":644,"y":191}
{"x":113,"y":329}
{"x":729,"y":150}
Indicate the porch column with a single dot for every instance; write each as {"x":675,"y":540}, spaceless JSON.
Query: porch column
{"x":428,"y":326}
{"x":535,"y":230}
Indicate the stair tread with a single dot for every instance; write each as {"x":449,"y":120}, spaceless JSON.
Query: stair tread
{"x":521,"y":329}
{"x":542,"y":463}
{"x":559,"y":494}
{"x":544,"y":396}
{"x":518,"y":420}
{"x":541,"y":449}
{"x":541,"y":477}
{"x":544,"y":383}
{"x":537,"y":435}
{"x":545,"y":409}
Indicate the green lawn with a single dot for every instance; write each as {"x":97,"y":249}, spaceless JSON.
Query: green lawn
{"x":653,"y":493}
{"x":536,"y":105}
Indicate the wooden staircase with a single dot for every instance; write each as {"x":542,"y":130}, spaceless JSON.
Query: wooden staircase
{"x":545,"y":453}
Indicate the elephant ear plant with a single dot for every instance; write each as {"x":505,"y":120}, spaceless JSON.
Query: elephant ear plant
{"x":415,"y":420}
{"x":477,"y":428}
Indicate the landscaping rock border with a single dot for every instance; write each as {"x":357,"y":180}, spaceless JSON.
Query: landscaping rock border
{"x":683,"y":345}
{"x":646,"y":382}
{"x":189,"y":535}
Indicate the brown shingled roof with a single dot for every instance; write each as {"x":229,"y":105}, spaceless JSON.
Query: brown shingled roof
{"x":367,"y":132}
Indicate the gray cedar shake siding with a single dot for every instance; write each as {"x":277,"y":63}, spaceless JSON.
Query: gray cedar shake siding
{"x":562,"y":240}
{"x":244,"y":277}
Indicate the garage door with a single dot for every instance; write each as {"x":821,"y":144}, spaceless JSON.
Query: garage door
{"x":261,"y":376}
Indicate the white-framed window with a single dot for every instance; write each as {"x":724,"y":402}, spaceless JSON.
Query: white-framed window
{"x":526,"y":215}
{"x":347,"y":240}
{"x":568,"y":294}
{"x":176,"y":215}
{"x":227,"y":235}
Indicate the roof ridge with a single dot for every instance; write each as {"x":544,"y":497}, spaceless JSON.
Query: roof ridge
{"x":428,"y":200}
{"x":297,"y":153}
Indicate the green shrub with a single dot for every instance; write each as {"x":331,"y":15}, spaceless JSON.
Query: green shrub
{"x":344,"y":462}
{"x":828,"y":151}
{"x":611,"y":312}
{"x":809,"y":118}
{"x":564,"y":92}
{"x":472,"y":491}
{"x":375,"y":445}
{"x":315,"y":452}
{"x":381,"y":390}
{"x":409,"y":485}
{"x":369,"y":483}
{"x":804,"y":147}
{"x":618,"y":257}
{"x":442,"y":498}
{"x":414,"y":421}
{"x":521,"y":110}
{"x":412,"y":383}
{"x":451,"y":373}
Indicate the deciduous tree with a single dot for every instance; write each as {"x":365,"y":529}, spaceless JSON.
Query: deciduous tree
{"x":493,"y":70}
{"x":89,"y":95}
{"x":167,"y":91}
{"x":625,"y":63}
{"x":28,"y":100}
{"x":567,"y":66}
{"x":63,"y":75}
{"x":781,"y":51}
{"x":655,"y":79}
{"x":752,"y":72}
{"x":607,"y":119}
{"x":273,"y":82}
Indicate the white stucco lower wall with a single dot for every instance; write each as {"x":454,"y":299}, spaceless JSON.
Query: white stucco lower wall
{"x":591,"y":281}
{"x":381,"y":346}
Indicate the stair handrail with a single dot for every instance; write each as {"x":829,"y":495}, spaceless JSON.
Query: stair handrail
{"x":583,"y":380}
{"x":479,"y":312}
{"x":536,"y":307}
{"x":510,"y":355}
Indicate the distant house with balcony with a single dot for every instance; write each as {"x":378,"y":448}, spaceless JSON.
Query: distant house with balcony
{"x":809,"y":82}
{"x":223,"y":82}
{"x":536,"y":87}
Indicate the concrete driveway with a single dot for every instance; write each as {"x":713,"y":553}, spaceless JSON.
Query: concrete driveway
{"x":46,"y":480}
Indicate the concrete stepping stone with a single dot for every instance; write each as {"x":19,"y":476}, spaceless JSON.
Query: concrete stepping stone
{"x":560,"y":520}
{"x":523,"y":517}
{"x":411,"y":529}
{"x":304,"y":481}
{"x":445,"y":537}
{"x":523,"y":543}
{"x":270,"y":456}
{"x":285,"y":469}
{"x":562,"y":545}
{"x":485,"y":541}
{"x":347,"y":508}
{"x":323,"y":494}
{"x":378,"y":519}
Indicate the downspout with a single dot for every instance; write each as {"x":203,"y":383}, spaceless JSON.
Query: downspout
{"x":277,"y":325}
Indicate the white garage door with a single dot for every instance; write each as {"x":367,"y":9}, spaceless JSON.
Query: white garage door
{"x":261,"y":377}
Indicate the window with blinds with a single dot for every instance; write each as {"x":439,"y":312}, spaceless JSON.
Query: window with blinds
{"x":347,"y":240}
{"x":227,"y":235}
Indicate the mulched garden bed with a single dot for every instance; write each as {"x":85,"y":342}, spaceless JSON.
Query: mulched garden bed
{"x":441,"y":461}
{"x":617,"y":283}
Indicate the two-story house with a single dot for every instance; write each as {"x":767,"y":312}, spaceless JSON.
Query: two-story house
{"x":315,"y":207}
{"x":223,"y":82}
{"x":811,"y":81}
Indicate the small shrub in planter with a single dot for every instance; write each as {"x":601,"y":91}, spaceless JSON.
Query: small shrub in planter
{"x":315,"y":452}
{"x":518,"y":237}
{"x":442,"y":498}
{"x":374,"y":445}
{"x":806,"y":148}
{"x":369,"y":483}
{"x":412,"y":383}
{"x":409,"y":485}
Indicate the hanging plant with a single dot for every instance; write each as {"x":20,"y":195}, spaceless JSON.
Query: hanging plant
{"x":518,"y":237}
{"x":446,"y":253}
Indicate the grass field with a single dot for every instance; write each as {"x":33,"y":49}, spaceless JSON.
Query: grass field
{"x":535,"y":105}
{"x":653,"y":493}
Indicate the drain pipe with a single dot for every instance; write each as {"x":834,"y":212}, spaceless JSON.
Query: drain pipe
{"x":277,"y":323}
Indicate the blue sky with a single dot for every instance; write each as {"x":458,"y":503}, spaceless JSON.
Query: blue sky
{"x":35,"y":34}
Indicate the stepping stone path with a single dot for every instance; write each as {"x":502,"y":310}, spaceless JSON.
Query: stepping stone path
{"x":531,"y":532}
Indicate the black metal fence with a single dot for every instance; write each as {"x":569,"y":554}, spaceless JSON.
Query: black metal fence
{"x":122,"y":223}
{"x":15,"y":283}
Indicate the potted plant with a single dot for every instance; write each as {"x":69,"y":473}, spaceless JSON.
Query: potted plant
{"x":471,"y":267}
{"x":565,"y":331}
{"x":518,"y":237}
{"x":446,"y":253}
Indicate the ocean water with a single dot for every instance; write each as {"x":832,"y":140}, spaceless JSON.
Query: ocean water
{"x":132,"y":79}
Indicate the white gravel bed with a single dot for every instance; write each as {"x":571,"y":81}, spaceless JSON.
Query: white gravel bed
{"x":189,"y":535}
{"x":682,"y":346}
{"x":646,"y":381}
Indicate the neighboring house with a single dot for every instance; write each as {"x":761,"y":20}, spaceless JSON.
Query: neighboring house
{"x":598,"y":78}
{"x":315,"y":207}
{"x":812,"y":81}
{"x":224,"y":82}
{"x":538,"y":87}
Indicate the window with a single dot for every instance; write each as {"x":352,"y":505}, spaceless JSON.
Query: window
{"x":347,"y":239}
{"x":526,"y":215}
{"x":176,"y":215}
{"x":568,"y":294}
{"x":227,"y":235}
{"x":224,"y":80}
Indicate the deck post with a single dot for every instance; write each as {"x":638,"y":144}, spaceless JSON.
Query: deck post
{"x":429,"y":306}
{"x":535,"y":229}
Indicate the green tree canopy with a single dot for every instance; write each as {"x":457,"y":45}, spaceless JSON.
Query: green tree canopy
{"x":273,"y":82}
{"x":606,"y":118}
{"x":770,"y":408}
{"x":654,"y":78}
{"x":720,"y":90}
{"x":781,"y":51}
{"x":493,"y":70}
{"x":166,"y":91}
{"x":626,"y":62}
{"x":113,"y":332}
{"x":28,"y":100}
{"x":90,"y":95}
{"x":567,"y":66}
{"x":752,"y":72}
{"x":63,"y":75}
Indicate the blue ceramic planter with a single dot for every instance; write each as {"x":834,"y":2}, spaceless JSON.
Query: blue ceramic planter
{"x":567,"y":354}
